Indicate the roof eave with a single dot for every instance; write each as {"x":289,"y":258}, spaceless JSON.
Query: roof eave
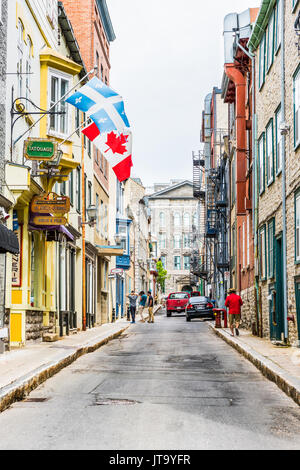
{"x":260,"y":24}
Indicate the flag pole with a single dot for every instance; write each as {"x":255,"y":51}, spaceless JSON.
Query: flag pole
{"x":78,"y":128}
{"x":55,"y":104}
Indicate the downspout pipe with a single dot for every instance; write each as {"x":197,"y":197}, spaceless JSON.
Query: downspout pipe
{"x":240,"y":84}
{"x":283,"y":107}
{"x":254,"y":182}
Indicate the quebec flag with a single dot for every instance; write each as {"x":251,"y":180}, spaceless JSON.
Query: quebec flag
{"x":102,"y":104}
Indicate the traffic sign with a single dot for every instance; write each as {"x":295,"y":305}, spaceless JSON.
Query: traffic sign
{"x":40,"y":149}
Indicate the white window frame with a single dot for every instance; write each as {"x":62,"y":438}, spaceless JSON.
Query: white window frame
{"x":270,"y":152}
{"x":186,"y":220}
{"x":20,"y":49}
{"x":278,"y":26}
{"x":248,"y":240}
{"x":278,"y":121}
{"x":162,"y":219}
{"x":297,"y":108}
{"x":177,"y":242}
{"x":28,"y":68}
{"x":177,"y":219}
{"x":297,"y":228}
{"x":177,"y":267}
{"x":60,"y":76}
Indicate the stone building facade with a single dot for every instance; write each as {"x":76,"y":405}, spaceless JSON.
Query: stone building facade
{"x":173,"y":211}
{"x":277,"y":102}
{"x":137,"y":209}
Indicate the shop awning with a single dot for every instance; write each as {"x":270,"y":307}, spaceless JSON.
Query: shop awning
{"x":8,"y":241}
{"x":58,"y":228}
{"x":108,"y":250}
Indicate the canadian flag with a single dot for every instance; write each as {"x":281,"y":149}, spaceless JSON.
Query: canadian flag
{"x":117,"y":149}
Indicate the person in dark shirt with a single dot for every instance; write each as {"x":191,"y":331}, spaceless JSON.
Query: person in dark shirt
{"x":150,"y":308}
{"x":142,"y":304}
{"x":133,"y":299}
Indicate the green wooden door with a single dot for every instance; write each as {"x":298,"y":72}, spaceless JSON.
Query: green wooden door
{"x":297,"y":294}
{"x":278,"y":319}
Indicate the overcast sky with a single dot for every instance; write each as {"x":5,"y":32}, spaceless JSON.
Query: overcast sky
{"x":167,"y":56}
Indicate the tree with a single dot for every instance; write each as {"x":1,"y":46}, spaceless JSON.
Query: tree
{"x":162,"y":275}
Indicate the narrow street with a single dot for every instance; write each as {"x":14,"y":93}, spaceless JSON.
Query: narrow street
{"x":170,"y":385}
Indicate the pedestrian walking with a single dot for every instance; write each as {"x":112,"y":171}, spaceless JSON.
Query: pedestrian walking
{"x":234,"y":303}
{"x":150,"y":308}
{"x":132,"y":303}
{"x":142,"y":304}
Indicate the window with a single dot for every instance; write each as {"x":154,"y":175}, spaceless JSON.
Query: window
{"x":248,"y":240}
{"x":261,"y":156}
{"x":177,"y":262}
{"x":90,"y":202}
{"x":186,"y":220}
{"x":270,"y":152}
{"x":164,"y":261}
{"x":59,"y":86}
{"x":85,"y":196}
{"x":71,"y":188}
{"x":233,"y":179}
{"x":77,"y":121}
{"x":162,"y":219}
{"x":186,"y":262}
{"x":262,"y":253}
{"x":78,"y":189}
{"x":270,"y":45}
{"x":63,"y":188}
{"x":186,"y":242}
{"x":28,"y":68}
{"x":297,"y":227}
{"x":262,"y":53}
{"x":297,"y":108}
{"x":162,"y":240}
{"x":20,"y":47}
{"x":102,"y":218}
{"x":278,"y":120}
{"x":106,"y":220}
{"x":177,"y":219}
{"x":271,"y":251}
{"x":278,"y":25}
{"x":195,"y":219}
{"x":177,"y":242}
{"x":97,"y":212}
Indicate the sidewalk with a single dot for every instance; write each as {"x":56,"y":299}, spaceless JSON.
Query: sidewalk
{"x":22,"y":370}
{"x":279,"y":364}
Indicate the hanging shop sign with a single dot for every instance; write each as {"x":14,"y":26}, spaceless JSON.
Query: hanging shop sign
{"x":117,"y":271}
{"x":50,"y":204}
{"x":49,"y":220}
{"x":43,"y":150}
{"x":16,"y":272}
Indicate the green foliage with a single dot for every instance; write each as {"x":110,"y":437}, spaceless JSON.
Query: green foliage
{"x":162,"y":275}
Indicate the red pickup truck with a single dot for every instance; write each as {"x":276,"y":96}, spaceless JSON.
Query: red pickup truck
{"x":176,"y":302}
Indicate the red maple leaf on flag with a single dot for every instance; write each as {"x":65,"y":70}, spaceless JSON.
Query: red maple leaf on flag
{"x":116,"y":144}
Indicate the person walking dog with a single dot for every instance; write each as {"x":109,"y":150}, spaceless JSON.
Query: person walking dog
{"x":150,"y":308}
{"x":234,"y":303}
{"x":132,"y":304}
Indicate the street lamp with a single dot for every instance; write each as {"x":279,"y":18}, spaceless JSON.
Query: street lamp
{"x":91,"y":215}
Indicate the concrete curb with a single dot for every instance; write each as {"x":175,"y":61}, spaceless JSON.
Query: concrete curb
{"x":286,"y":382}
{"x":19,"y":389}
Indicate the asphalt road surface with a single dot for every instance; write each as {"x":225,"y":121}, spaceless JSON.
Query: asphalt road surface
{"x":170,"y":385}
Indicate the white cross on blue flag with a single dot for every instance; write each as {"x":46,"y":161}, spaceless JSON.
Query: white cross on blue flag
{"x":102,"y":104}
